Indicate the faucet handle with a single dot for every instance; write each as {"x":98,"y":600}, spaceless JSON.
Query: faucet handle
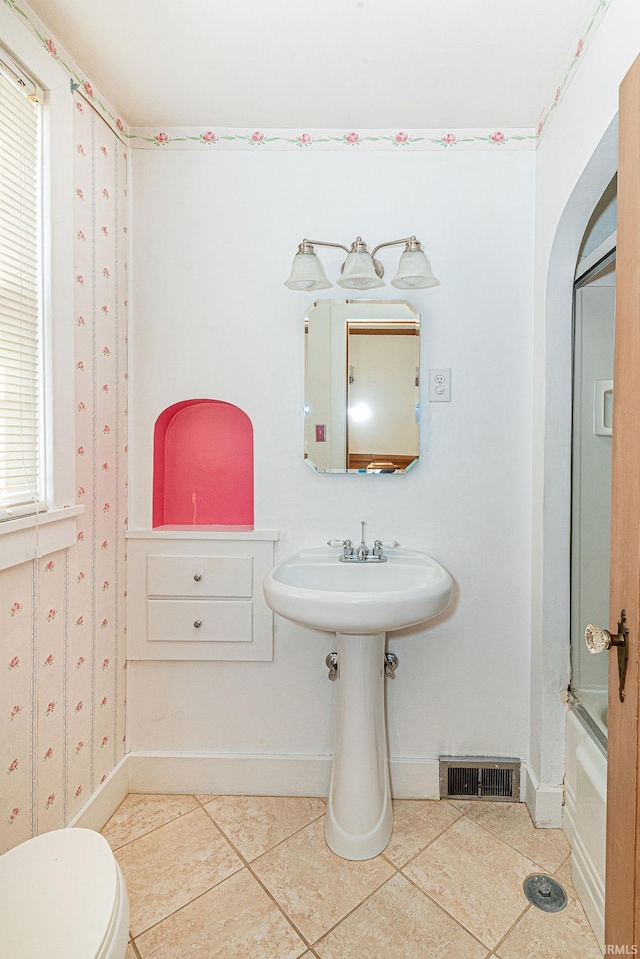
{"x":346,"y":545}
{"x":388,"y":543}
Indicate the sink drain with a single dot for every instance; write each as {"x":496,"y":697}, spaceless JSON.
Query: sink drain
{"x":545,"y":893}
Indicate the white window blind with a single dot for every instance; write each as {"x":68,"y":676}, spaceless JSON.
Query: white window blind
{"x":20,"y":329}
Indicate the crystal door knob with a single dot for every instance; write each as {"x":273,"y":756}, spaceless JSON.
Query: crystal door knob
{"x":198,"y":623}
{"x":198,"y":577}
{"x":599,"y":639}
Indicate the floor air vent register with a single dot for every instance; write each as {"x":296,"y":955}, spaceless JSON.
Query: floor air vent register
{"x":490,"y":779}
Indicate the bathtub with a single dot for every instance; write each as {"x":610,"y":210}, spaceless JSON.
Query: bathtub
{"x":596,"y":704}
{"x":585,"y":809}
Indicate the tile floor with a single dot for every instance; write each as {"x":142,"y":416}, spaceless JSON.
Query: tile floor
{"x":233,"y":877}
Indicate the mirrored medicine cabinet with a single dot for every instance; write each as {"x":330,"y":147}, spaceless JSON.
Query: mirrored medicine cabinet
{"x":362,"y":386}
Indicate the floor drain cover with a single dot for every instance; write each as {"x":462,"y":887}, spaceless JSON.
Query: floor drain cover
{"x":545,"y":893}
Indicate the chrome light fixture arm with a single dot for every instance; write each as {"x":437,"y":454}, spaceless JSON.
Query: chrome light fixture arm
{"x":307,"y":245}
{"x":411,"y":242}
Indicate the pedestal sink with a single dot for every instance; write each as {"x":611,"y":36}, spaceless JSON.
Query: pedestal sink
{"x":360,"y":602}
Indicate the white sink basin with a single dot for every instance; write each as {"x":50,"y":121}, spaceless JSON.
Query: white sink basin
{"x":315,"y":589}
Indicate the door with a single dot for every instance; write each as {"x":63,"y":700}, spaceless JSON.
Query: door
{"x":622,"y":912}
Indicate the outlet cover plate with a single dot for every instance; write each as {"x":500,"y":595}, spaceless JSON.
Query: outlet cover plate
{"x":440,"y":386}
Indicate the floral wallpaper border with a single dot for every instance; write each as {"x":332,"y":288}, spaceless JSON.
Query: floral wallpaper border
{"x":586,"y":35}
{"x":310,"y":139}
{"x":79,"y":81}
{"x":190,"y":138}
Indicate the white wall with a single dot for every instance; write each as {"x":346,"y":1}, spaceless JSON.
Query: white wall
{"x":574,"y":163}
{"x":214,"y":235}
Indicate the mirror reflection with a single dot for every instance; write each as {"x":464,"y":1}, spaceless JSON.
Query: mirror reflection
{"x":362,"y":386}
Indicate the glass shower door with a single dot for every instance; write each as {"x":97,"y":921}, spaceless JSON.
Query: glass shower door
{"x":594,"y":308}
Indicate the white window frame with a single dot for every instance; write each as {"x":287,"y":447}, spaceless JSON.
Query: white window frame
{"x":28,"y":537}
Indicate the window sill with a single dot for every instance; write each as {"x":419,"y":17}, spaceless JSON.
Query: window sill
{"x":29,"y":537}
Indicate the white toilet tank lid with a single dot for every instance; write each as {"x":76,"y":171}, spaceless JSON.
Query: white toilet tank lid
{"x":58,"y":893}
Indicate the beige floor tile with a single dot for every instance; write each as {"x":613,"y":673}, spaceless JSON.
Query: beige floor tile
{"x":554,"y":935}
{"x":315,"y":887}
{"x":169,"y":867}
{"x":255,"y":824}
{"x":399,"y":922}
{"x":476,"y":877}
{"x":130,"y":953}
{"x":512,"y":822}
{"x":205,"y":798}
{"x":140,"y":813}
{"x":234,"y":920}
{"x":563,"y":874}
{"x":416,"y":823}
{"x":464,"y":805}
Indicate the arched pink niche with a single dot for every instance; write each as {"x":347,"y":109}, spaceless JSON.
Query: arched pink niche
{"x":203,"y":465}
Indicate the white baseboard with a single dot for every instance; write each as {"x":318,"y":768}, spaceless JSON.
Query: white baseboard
{"x":258,"y":775}
{"x":97,"y":811}
{"x":230,"y":775}
{"x":415,"y":778}
{"x":543,"y":802}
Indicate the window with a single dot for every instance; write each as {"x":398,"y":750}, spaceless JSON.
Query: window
{"x":21,"y":477}
{"x":46,"y":459}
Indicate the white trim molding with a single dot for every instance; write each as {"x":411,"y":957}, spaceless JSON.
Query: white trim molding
{"x":39,"y":534}
{"x":265,"y":775}
{"x":102,"y":804}
{"x":250,"y":774}
{"x":544,"y":802}
{"x":238,"y":775}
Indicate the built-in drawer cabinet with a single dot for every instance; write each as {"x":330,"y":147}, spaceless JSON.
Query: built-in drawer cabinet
{"x":199,"y":575}
{"x":199,"y":621}
{"x":199,"y":595}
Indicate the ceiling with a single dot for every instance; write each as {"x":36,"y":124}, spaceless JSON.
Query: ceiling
{"x":303,"y":64}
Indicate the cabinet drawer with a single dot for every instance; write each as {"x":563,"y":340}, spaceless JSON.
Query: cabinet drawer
{"x":220,"y":621}
{"x":200,"y":576}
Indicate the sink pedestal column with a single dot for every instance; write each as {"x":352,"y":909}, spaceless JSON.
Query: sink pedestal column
{"x":359,"y":816}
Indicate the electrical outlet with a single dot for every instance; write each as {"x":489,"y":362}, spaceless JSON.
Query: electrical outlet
{"x":439,"y":386}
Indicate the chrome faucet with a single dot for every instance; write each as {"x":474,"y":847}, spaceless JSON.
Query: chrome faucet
{"x":363,"y":553}
{"x":363,"y":550}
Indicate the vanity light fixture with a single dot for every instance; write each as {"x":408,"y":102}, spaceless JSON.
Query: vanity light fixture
{"x":361,"y":270}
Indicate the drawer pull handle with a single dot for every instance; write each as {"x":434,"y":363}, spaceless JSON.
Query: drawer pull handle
{"x":198,"y":623}
{"x":198,"y":577}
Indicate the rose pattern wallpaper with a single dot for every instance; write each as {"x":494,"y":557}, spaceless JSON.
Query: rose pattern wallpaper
{"x":62,"y":617}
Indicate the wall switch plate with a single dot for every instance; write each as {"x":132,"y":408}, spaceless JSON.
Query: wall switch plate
{"x":440,"y":386}
{"x":320,"y":437}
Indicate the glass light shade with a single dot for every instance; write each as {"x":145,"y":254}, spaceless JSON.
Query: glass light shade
{"x":359,"y":273}
{"x":414,"y":272}
{"x":307,"y":273}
